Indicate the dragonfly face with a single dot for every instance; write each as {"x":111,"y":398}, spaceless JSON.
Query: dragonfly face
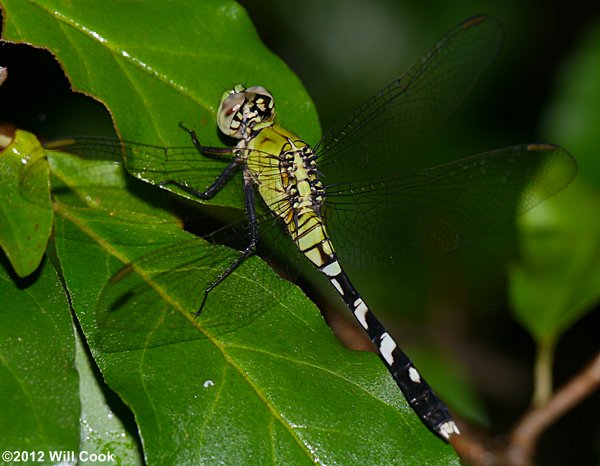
{"x":243,"y":111}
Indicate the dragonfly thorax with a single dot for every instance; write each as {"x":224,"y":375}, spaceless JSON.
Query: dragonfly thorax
{"x":243,"y":112}
{"x":300,"y":177}
{"x":283,"y":168}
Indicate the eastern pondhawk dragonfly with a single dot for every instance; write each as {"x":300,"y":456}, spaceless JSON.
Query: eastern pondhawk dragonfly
{"x":435,"y":209}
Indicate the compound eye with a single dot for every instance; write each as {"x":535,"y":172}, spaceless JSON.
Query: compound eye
{"x":230,"y":113}
{"x":241,"y":110}
{"x":262,"y":101}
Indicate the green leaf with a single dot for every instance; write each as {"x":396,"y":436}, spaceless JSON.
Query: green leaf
{"x":25,"y":208}
{"x":154,"y":64}
{"x":101,"y":430}
{"x":274,"y":386}
{"x":558,"y":279}
{"x":39,"y":386}
{"x":159,"y":64}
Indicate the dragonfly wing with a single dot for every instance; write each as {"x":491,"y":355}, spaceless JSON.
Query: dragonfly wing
{"x":152,"y":301}
{"x":407,"y":217}
{"x":156,"y":164}
{"x":407,"y":111}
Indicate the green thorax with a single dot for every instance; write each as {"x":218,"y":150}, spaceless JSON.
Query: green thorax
{"x":284,"y":169}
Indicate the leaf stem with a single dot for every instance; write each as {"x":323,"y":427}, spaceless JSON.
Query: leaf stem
{"x":542,"y":391}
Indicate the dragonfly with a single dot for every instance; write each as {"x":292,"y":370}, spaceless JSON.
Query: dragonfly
{"x":331,"y":209}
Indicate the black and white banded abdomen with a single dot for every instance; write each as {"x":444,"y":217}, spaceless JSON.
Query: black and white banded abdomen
{"x":432,"y":411}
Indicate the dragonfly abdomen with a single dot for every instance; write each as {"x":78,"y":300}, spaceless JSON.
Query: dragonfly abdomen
{"x":432,"y":411}
{"x":294,"y":193}
{"x":308,"y":231}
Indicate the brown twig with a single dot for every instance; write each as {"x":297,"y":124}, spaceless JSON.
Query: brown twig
{"x":522,"y":441}
{"x":526,"y":433}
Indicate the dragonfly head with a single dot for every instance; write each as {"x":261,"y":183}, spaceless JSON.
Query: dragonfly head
{"x":243,"y":111}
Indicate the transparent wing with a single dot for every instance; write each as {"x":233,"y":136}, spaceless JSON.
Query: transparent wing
{"x":156,"y":164}
{"x":152,"y":301}
{"x":185,"y":165}
{"x":402,"y":218}
{"x":405,"y":113}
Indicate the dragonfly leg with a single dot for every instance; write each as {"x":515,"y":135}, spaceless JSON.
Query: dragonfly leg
{"x":221,"y":180}
{"x":211,"y":190}
{"x":206,"y":150}
{"x":253,"y":237}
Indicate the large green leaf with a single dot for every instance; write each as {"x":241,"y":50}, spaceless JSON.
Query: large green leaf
{"x":558,"y":280}
{"x":39,"y":386}
{"x":274,"y":387}
{"x":101,"y":430}
{"x":155,"y":63}
{"x":25,"y":207}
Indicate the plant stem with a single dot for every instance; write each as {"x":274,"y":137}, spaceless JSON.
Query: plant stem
{"x":542,"y":390}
